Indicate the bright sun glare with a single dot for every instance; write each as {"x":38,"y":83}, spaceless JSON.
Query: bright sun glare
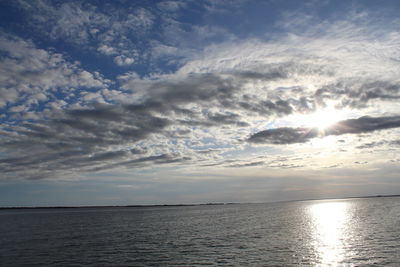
{"x":331,"y":227}
{"x":323,"y":118}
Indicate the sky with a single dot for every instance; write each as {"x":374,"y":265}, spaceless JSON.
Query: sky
{"x":166,"y":102}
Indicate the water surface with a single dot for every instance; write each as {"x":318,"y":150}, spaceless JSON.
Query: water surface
{"x":350,"y":232}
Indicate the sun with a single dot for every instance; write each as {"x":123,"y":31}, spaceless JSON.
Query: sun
{"x":320,"y":119}
{"x":323,"y":118}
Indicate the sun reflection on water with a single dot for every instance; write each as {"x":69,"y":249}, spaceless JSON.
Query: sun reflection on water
{"x":330,"y":226}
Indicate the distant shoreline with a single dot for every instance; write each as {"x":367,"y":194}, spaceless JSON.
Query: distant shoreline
{"x":119,"y":206}
{"x":176,"y":205}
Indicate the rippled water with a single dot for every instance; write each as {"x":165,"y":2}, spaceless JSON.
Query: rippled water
{"x":352,"y":232}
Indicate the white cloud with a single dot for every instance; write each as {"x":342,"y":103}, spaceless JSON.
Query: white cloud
{"x":78,"y":22}
{"x":171,"y":6}
{"x":17,"y":109}
{"x":31,"y":116}
{"x":34,"y":75}
{"x":7,"y":95}
{"x":59,"y":104}
{"x":116,"y":96}
{"x":93,"y":97}
{"x":107,"y":50}
{"x":103,"y":29}
{"x":123,"y":61}
{"x":87,"y":79}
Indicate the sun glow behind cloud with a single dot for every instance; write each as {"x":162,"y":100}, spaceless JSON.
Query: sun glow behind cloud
{"x":321,"y":118}
{"x":324,"y":118}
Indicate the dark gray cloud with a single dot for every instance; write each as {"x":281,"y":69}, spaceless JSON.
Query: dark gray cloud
{"x":139,"y":162}
{"x":271,"y":75}
{"x":223,"y":91}
{"x":227,"y":118}
{"x":371,"y":145}
{"x":250,"y":164}
{"x":363,"y":125}
{"x":284,"y":135}
{"x":357,"y":93}
{"x":264,"y":107}
{"x":102,"y":136}
{"x":81,"y":139}
{"x":195,"y":88}
{"x":287,"y":135}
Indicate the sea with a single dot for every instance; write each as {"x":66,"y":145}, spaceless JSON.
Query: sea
{"x":341,"y":232}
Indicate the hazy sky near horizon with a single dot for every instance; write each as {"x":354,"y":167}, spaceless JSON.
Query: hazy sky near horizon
{"x":150,"y":102}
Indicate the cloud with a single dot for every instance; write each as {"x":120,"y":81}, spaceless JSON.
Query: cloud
{"x":123,"y":32}
{"x":171,"y":6}
{"x":123,"y":61}
{"x":287,"y":135}
{"x":209,"y":103}
{"x":98,"y":137}
{"x":284,"y":135}
{"x":74,"y":120}
{"x":251,"y":164}
{"x":83,"y":139}
{"x":31,"y":76}
{"x":101,"y":28}
{"x":363,"y":125}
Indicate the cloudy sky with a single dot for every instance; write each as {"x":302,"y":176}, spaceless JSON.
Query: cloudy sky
{"x":152,"y":102}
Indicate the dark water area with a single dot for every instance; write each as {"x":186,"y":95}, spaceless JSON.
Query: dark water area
{"x":349,"y":232}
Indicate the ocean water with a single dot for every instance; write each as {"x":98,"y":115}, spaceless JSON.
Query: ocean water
{"x":349,"y":232}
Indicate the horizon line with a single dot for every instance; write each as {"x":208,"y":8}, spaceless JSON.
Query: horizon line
{"x":183,"y":204}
